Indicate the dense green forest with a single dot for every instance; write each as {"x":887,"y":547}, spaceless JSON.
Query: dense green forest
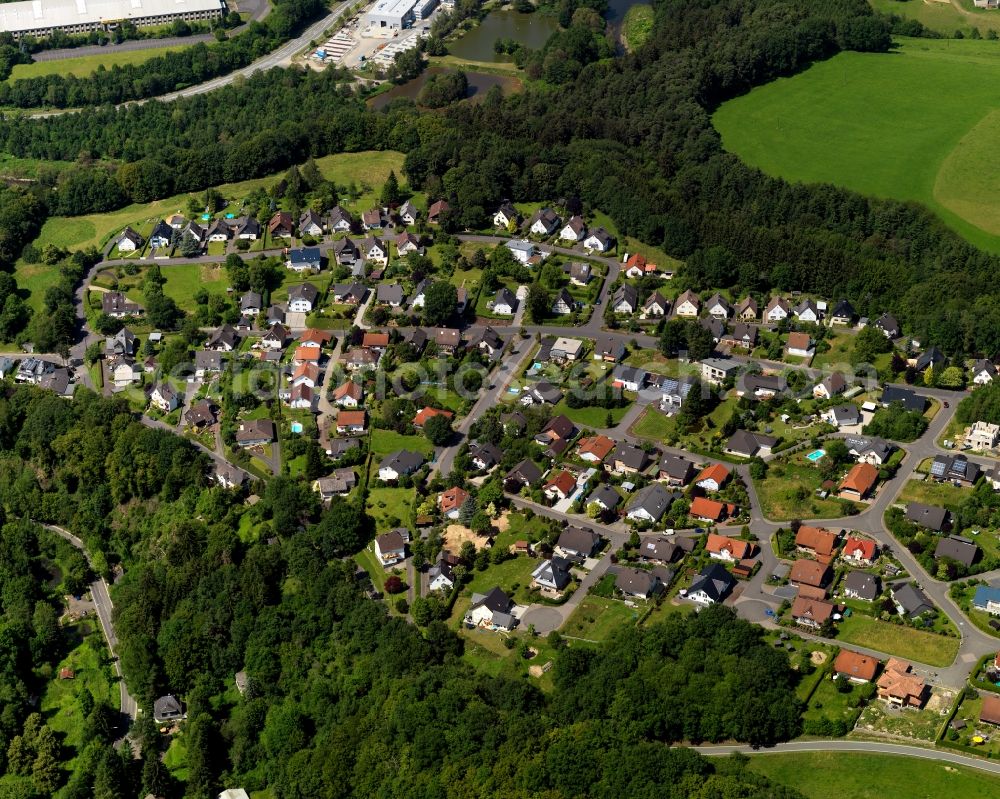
{"x":342,"y":700}
{"x":631,"y":136}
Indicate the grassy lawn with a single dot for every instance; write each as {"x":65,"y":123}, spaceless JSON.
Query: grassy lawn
{"x":390,"y":507}
{"x":789,"y":492}
{"x":591,"y":416}
{"x":839,"y":353}
{"x":385,"y":441}
{"x":944,"y":495}
{"x":942,"y":17}
{"x":828,"y":702}
{"x":182,"y":282}
{"x":834,"y":775}
{"x":915,"y":124}
{"x":86,"y":65}
{"x":655,"y":425}
{"x":366,"y":560}
{"x":895,"y":639}
{"x":597,"y":618}
{"x":175,"y":758}
{"x":60,"y":702}
{"x":509,"y":576}
{"x":35,"y":279}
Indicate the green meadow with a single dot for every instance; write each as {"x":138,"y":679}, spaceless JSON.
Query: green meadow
{"x":914,"y":124}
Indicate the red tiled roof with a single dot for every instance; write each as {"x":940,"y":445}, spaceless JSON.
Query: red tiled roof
{"x":859,"y":548}
{"x":861,"y":478}
{"x":427,"y":412}
{"x":716,"y":472}
{"x":722,"y":543}
{"x":855,"y":665}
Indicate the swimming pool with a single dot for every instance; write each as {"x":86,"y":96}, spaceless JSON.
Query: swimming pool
{"x":815,"y":455}
{"x":296,"y":427}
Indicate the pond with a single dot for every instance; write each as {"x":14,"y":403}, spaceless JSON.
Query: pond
{"x":531,"y":30}
{"x":479,"y":84}
{"x":617,"y":9}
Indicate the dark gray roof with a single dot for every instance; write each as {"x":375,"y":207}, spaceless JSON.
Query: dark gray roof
{"x":862,"y":584}
{"x":677,"y":467}
{"x":167,"y":707}
{"x":654,"y":499}
{"x":391,"y":293}
{"x":743,"y":442}
{"x":579,"y":541}
{"x":494,"y":599}
{"x":525,"y":472}
{"x":606,"y":495}
{"x":402,"y":461}
{"x":303,"y":291}
{"x":660,"y":549}
{"x":625,"y":293}
{"x":609,"y":346}
{"x":547,"y":392}
{"x":714,"y":581}
{"x":629,"y":374}
{"x":929,"y":516}
{"x":955,"y":467}
{"x":911,"y":599}
{"x":958,"y":549}
{"x":631,"y":456}
{"x":490,"y":454}
{"x":932,"y":356}
{"x":908,"y":398}
{"x":636,"y":582}
{"x":844,"y":309}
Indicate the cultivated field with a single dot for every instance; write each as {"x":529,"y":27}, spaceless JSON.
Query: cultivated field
{"x":912,"y":125}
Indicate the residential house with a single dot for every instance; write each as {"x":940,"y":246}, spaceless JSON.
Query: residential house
{"x":448,"y":340}
{"x":811,"y":613}
{"x":522,"y":250}
{"x":687,"y":304}
{"x":506,"y":217}
{"x":485,"y":455}
{"x":983,"y":372}
{"x":340,"y":220}
{"x":123,"y":342}
{"x":955,"y":469}
{"x":637,"y":583}
{"x":906,"y":397}
{"x":281,"y":225}
{"x":721,"y":547}
{"x":987,"y":599}
{"x":390,"y":294}
{"x":713,"y":477}
{"x":847,"y":415}
{"x":305,"y":374}
{"x":899,"y":686}
{"x":861,"y":585}
{"x":956,"y":548}
{"x":229,"y":476}
{"x":304,"y":259}
{"x":857,"y":668}
{"x":747,"y":309}
{"x":574,"y":230}
{"x":390,"y":548}
{"x":129,"y":241}
{"x":247,"y":228}
{"x":525,"y":475}
{"x":118,"y":306}
{"x":859,"y":482}
{"x":673,"y":392}
{"x":310,"y":224}
{"x":800,"y":345}
{"x":349,"y":422}
{"x":817,"y":541}
{"x":251,"y":303}
{"x":711,"y":585}
{"x":655,"y":306}
{"x":376,"y":250}
{"x":659,"y":550}
{"x":650,"y":503}
{"x":398,"y":464}
{"x":983,"y":435}
{"x":255,"y":433}
{"x":875,"y":451}
{"x":346,"y":252}
{"x":408,"y":213}
{"x":718,"y":307}
{"x":450,"y":502}
{"x":628,"y":459}
{"x":776,"y":310}
{"x":338,"y":483}
{"x":599,"y":240}
{"x":427,"y":412}
{"x":859,"y":551}
{"x":165,"y":397}
{"x":577,"y":544}
{"x":437,"y":210}
{"x":889,"y":326}
{"x":605,"y":497}
{"x":375,"y":340}
{"x":930,"y":358}
{"x":830,"y":386}
{"x":910,"y":600}
{"x":161,"y":236}
{"x":491,"y":611}
{"x":544,"y":222}
{"x":302,"y":298}
{"x":717,"y":370}
{"x":224,"y":339}
{"x":123,"y":369}
{"x":625,"y":300}
{"x":714,"y":326}
{"x":675,"y":470}
{"x":929,"y":516}
{"x":557,"y":428}
{"x":608,"y":348}
{"x":806,"y":311}
{"x":207,"y":362}
{"x":416,"y":339}
{"x":708,"y":510}
{"x":629,"y":378}
{"x":810,"y":573}
{"x":487,"y":341}
{"x":989,"y":712}
{"x":167,"y":708}
{"x":578,"y":271}
{"x":560,"y":485}
{"x":637,"y":266}
{"x":563,"y":303}
{"x":843,"y":313}
{"x":748,"y":445}
{"x":219,"y":231}
{"x":349,"y":293}
{"x":742,"y":335}
{"x":504,"y":303}
{"x":406,"y":243}
{"x":551,"y":575}
{"x":441,"y":575}
{"x":371,"y":219}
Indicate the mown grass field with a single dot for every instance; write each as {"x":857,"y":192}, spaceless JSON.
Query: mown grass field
{"x":915,"y":124}
{"x":833,"y":775}
{"x":895,"y":639}
{"x":942,"y":16}
{"x":86,"y":65}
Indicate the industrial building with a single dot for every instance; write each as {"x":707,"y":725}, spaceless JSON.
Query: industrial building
{"x":399,"y":14}
{"x":41,"y":18}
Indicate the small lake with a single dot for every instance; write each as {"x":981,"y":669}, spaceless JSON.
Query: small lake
{"x":617,"y":9}
{"x":479,"y":84}
{"x":531,"y":30}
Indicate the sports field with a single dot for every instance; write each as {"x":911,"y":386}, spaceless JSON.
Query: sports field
{"x":915,"y":124}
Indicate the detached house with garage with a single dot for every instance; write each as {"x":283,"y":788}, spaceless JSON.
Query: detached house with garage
{"x":574,"y":230}
{"x":776,"y":310}
{"x":655,"y":306}
{"x":687,"y":305}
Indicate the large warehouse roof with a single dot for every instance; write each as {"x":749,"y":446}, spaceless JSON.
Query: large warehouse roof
{"x":36,"y":14}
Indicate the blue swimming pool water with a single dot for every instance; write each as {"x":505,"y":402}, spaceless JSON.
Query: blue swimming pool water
{"x":296,"y":427}
{"x":815,"y":455}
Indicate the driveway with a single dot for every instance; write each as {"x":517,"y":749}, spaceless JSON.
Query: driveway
{"x":545,"y":618}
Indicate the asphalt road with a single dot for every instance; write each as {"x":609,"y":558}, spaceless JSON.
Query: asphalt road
{"x":105,"y":609}
{"x":865,"y":747}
